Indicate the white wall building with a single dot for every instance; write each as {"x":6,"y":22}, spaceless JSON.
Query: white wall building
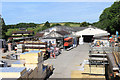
{"x":89,"y":32}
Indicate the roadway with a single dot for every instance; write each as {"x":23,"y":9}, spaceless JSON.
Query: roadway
{"x":68,"y":61}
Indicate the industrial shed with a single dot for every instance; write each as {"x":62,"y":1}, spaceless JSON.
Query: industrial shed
{"x":86,"y":33}
{"x":89,"y":32}
{"x":56,"y":37}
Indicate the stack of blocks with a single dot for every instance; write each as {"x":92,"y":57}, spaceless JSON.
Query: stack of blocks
{"x":20,"y":48}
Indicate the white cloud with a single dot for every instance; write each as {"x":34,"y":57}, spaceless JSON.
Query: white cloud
{"x":58,"y":0}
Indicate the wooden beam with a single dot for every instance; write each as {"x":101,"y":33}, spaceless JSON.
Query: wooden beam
{"x":98,"y":59}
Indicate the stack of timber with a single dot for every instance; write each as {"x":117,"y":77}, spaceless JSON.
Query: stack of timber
{"x":113,"y":69}
{"x":18,"y":63}
{"x":101,"y":49}
{"x":20,"y":48}
{"x":13,"y":72}
{"x":97,"y":56}
{"x":30,"y":66}
{"x":117,"y":48}
{"x":35,"y":46}
{"x":32,"y":58}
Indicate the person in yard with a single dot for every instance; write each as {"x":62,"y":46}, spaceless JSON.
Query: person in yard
{"x":52,"y":53}
{"x":50,"y":44}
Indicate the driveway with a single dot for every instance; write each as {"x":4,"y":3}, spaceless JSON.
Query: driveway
{"x":68,"y":61}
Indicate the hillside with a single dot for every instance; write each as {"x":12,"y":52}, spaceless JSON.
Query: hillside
{"x":110,"y":18}
{"x":39,"y":27}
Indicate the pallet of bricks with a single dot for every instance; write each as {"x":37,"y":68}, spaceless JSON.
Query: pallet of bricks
{"x":30,"y":66}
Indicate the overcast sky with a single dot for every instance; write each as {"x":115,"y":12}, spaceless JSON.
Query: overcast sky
{"x":40,"y":12}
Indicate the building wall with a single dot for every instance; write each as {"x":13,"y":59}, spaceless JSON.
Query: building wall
{"x":53,"y":34}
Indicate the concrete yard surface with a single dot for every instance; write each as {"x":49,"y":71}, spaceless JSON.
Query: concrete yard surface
{"x":97,"y":73}
{"x":67,"y":62}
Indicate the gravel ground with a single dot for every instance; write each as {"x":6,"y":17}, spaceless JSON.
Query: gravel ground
{"x":68,"y":61}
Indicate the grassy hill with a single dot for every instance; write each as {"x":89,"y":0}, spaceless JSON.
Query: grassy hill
{"x":39,"y":27}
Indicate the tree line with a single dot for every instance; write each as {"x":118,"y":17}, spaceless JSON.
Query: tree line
{"x":22,"y":25}
{"x":110,"y":18}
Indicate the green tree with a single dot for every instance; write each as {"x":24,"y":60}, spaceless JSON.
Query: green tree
{"x":57,"y":24}
{"x":4,"y":28}
{"x":84,"y":24}
{"x":67,"y":24}
{"x":108,"y":29}
{"x":110,"y":18}
{"x":22,"y":25}
{"x":47,"y":24}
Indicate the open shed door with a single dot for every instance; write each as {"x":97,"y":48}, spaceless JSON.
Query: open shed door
{"x":87,"y":38}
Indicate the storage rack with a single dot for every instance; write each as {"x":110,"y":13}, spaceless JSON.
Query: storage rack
{"x":97,"y":56}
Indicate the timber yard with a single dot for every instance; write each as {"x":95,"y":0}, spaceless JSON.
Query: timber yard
{"x":61,"y":52}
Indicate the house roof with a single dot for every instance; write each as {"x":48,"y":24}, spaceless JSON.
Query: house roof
{"x":75,"y":29}
{"x":56,"y":34}
{"x":91,"y":31}
{"x":22,"y":32}
{"x":63,"y":33}
{"x":65,"y":28}
{"x":39,"y":35}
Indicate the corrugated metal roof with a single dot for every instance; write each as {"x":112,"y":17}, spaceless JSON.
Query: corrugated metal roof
{"x":39,"y":34}
{"x":22,"y":32}
{"x":66,"y":28}
{"x":75,"y":29}
{"x":63,"y":32}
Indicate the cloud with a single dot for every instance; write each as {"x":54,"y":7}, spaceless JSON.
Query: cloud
{"x":58,"y":0}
